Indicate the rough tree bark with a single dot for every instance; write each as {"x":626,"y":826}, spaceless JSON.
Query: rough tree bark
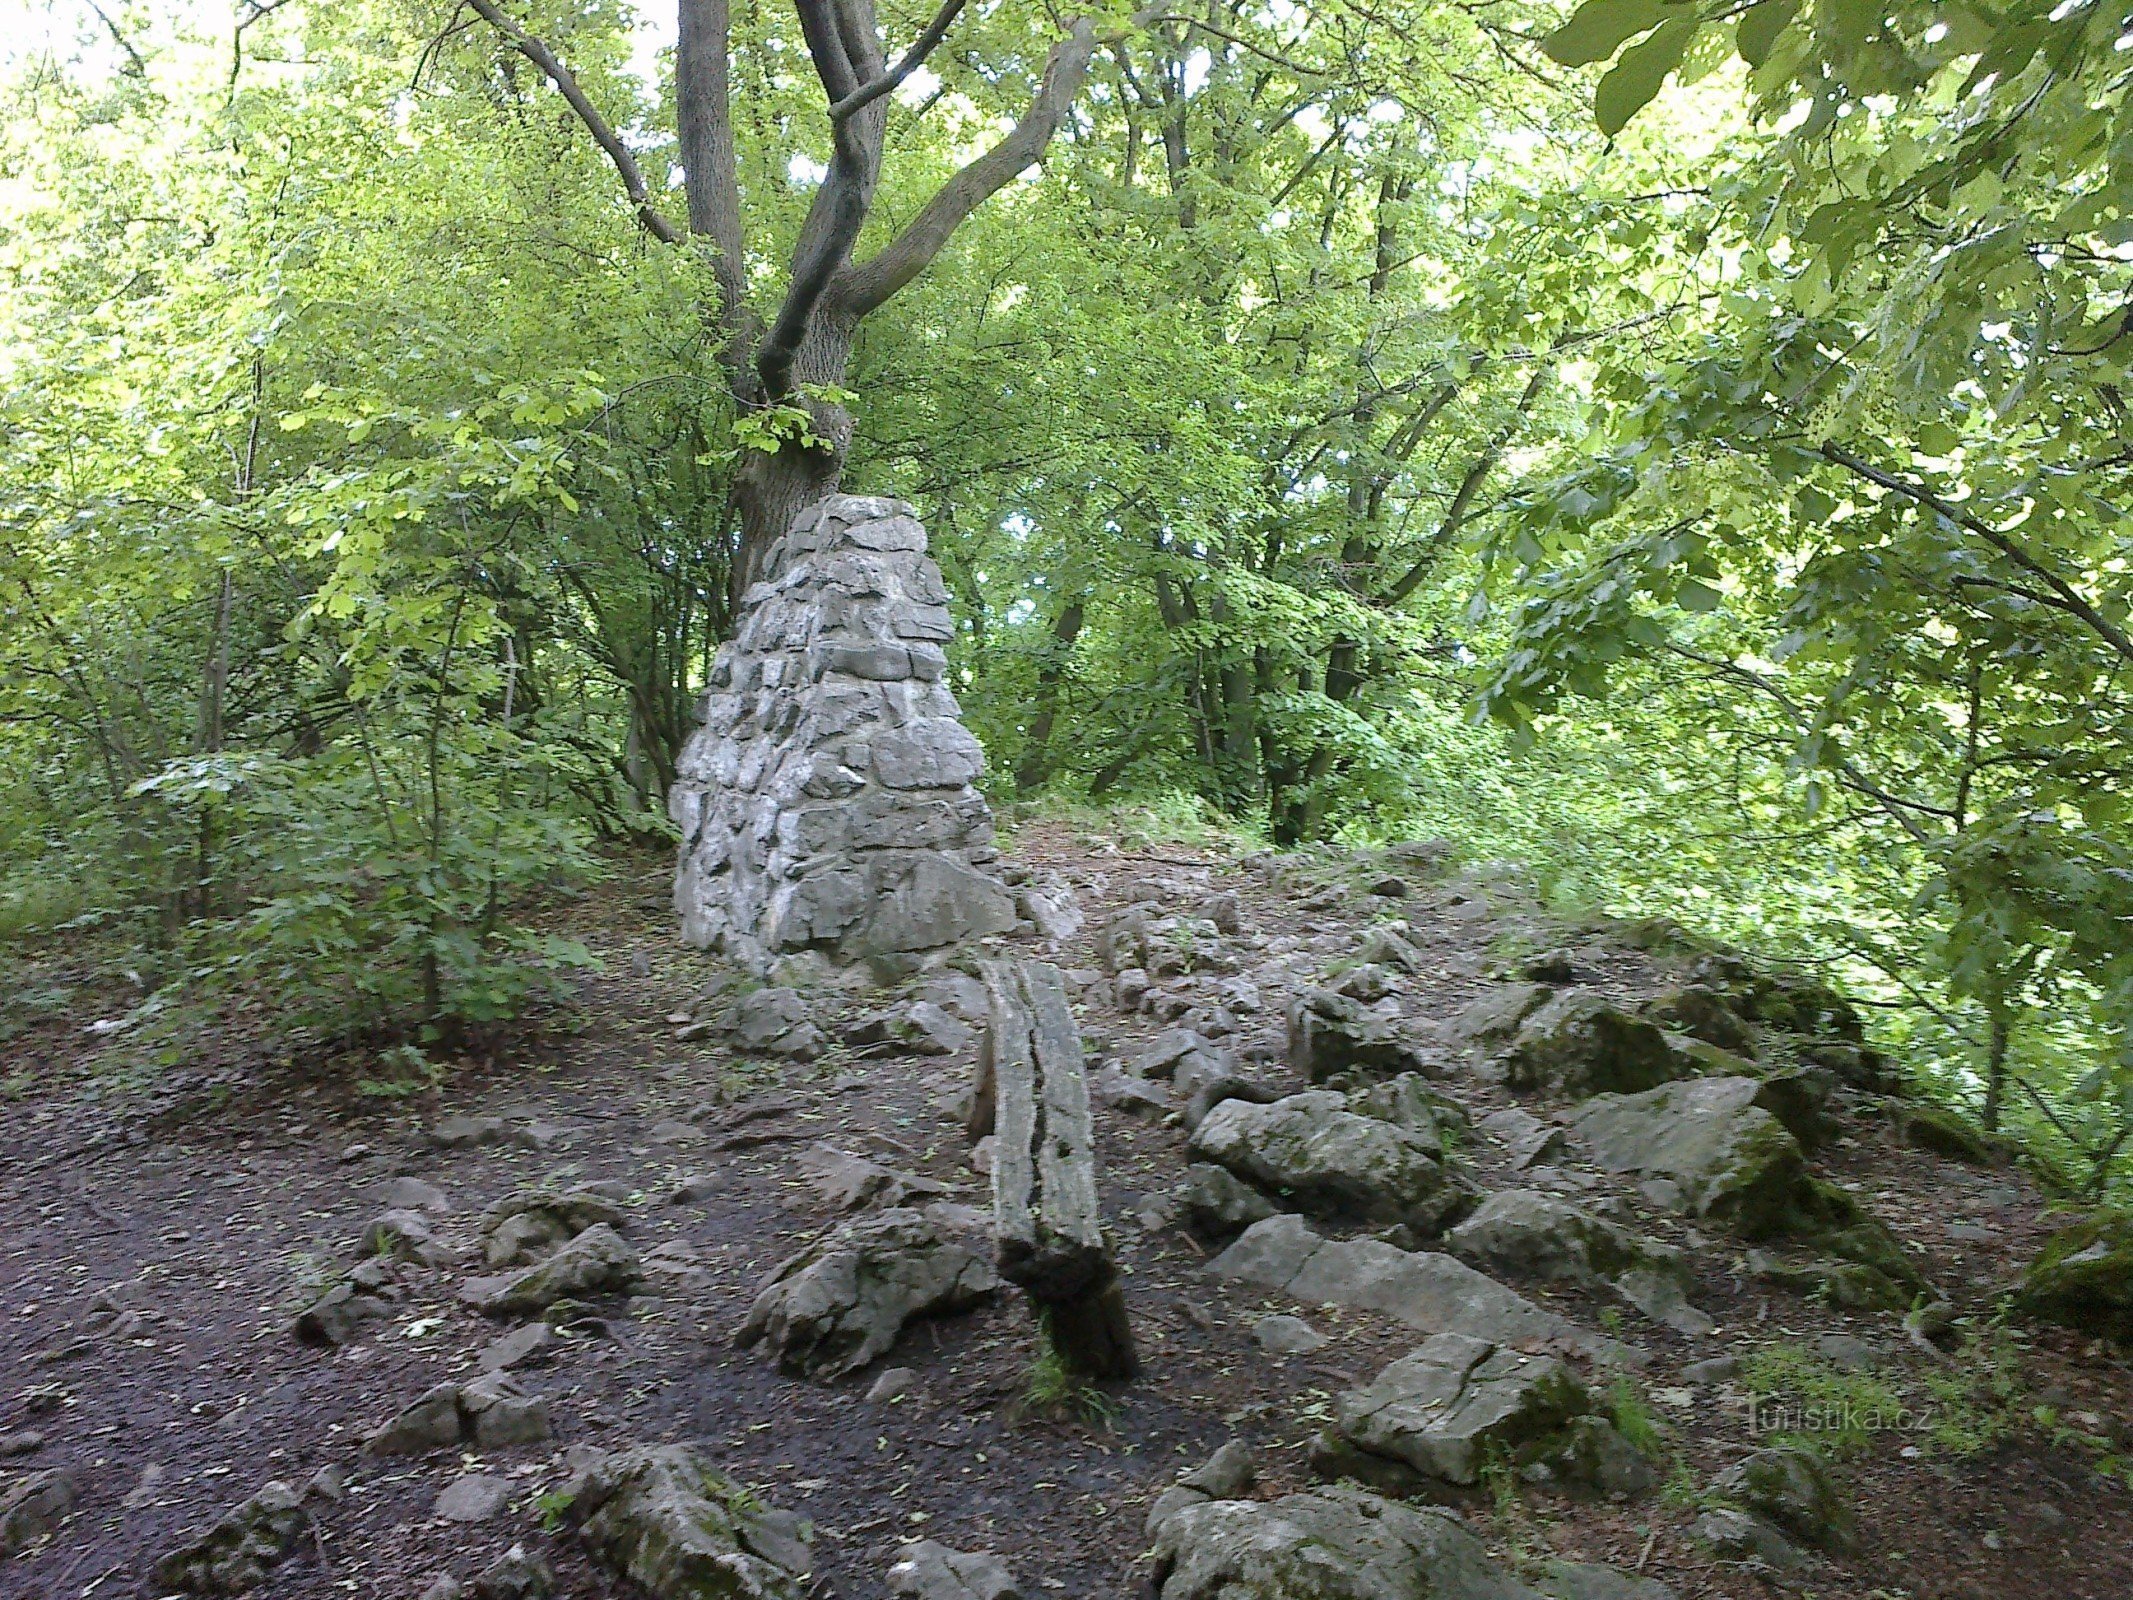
{"x":1033,"y":1098}
{"x":805,"y":345}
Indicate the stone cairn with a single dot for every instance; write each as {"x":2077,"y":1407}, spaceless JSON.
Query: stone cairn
{"x":826,"y":802}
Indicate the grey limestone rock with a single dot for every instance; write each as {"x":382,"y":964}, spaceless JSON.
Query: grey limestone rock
{"x":1338,"y":1543}
{"x":1284,"y":1335}
{"x":1577,"y":1044}
{"x":526,"y":1343}
{"x":1389,"y":945}
{"x":1219,"y":1203}
{"x":1129,"y":1093}
{"x":1746,"y":1539}
{"x":238,"y":1551}
{"x":1583,"y":1580}
{"x":532,"y":1221}
{"x":1792,"y":1488}
{"x":658,"y":1515}
{"x":340,"y":1315}
{"x":1528,"y":1140}
{"x":597,"y":1261}
{"x":473,"y":1497}
{"x":826,"y":800}
{"x":491,"y":1410}
{"x":402,"y":1233}
{"x":35,"y":1506}
{"x":414,"y":1194}
{"x":919,"y":1027}
{"x":839,"y":1304}
{"x":1594,"y":1453}
{"x":462,"y":1132}
{"x":1730,"y":1159}
{"x":2083,"y":1277}
{"x":1429,"y":1292}
{"x":853,"y":1183}
{"x":1530,"y":1234}
{"x":1228,"y":1474}
{"x":1441,"y":1411}
{"x":1201,"y":1073}
{"x":930,"y":1570}
{"x":1497,"y":1014}
{"x":514,"y":1575}
{"x":1334,"y":1031}
{"x":1332,"y":1161}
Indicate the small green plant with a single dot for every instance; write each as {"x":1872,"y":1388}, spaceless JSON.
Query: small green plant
{"x":1634,"y":1418}
{"x":1682,"y":1489}
{"x":1976,"y":1401}
{"x":1055,"y":1389}
{"x":1499,"y":1476}
{"x":409,"y":1073}
{"x":552,"y":1507}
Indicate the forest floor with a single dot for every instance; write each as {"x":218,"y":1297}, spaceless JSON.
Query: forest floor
{"x":162,"y":1228}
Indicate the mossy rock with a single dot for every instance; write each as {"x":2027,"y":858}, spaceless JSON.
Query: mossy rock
{"x":1846,"y":1285}
{"x":1792,"y":1487}
{"x":1577,"y":1044}
{"x":1942,"y":1132}
{"x":1703,"y":1012}
{"x":1731,"y":1159}
{"x":2084,"y":1277}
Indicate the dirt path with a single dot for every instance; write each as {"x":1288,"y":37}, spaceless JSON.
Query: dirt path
{"x":149,"y":1270}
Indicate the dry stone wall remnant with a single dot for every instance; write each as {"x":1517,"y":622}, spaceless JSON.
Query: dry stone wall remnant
{"x":826,"y":801}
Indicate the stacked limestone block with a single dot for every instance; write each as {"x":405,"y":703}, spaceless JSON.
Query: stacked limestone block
{"x":826,"y":802}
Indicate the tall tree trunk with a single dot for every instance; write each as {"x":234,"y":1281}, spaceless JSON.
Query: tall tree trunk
{"x":773,"y":487}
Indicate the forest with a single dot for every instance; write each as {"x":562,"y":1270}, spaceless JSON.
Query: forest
{"x":1679,"y":448}
{"x":798,"y":796}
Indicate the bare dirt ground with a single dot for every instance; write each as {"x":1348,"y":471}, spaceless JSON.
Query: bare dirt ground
{"x":162,"y":1227}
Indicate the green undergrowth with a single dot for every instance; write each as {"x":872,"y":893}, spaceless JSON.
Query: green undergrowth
{"x":1054,"y":1389}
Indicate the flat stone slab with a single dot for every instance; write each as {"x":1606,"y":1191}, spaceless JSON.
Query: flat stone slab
{"x":1724,"y":1156}
{"x":929,"y":1570}
{"x":474,"y":1497}
{"x":837,"y":1305}
{"x":1333,"y":1161}
{"x":1429,"y":1292}
{"x":1337,"y":1543}
{"x":1442,"y":1409}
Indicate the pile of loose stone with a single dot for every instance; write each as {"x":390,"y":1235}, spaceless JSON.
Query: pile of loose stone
{"x":826,"y":800}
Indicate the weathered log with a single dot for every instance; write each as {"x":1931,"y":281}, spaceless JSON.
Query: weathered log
{"x":1033,"y":1096}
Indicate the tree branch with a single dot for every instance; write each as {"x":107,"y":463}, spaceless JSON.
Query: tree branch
{"x":703,"y":84}
{"x":841,"y":203}
{"x":869,"y":284}
{"x":2065,"y":596}
{"x":1462,"y":505}
{"x":135,"y":67}
{"x":1896,"y":807}
{"x":889,"y":82}
{"x":604,"y":135}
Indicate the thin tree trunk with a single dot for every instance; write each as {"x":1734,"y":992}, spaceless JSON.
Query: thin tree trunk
{"x":1996,"y":1067}
{"x":1036,"y":764}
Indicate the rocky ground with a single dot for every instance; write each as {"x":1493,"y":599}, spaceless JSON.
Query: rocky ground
{"x":1526,"y":1233}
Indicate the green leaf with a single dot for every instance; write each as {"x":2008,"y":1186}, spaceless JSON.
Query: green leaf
{"x":1629,"y":86}
{"x":1759,"y":27}
{"x":1694,"y":596}
{"x":1597,"y":29}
